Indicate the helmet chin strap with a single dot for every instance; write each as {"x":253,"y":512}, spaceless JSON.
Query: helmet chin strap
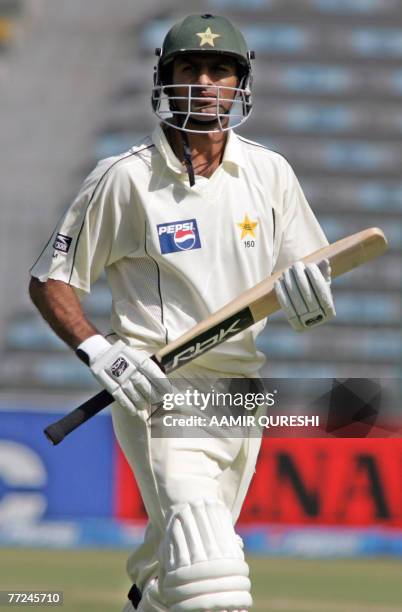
{"x":187,"y":158}
{"x":186,"y":148}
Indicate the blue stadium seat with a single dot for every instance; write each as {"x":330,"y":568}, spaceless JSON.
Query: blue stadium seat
{"x":366,"y":195}
{"x":337,"y":227}
{"x":246,"y":5}
{"x":367,"y":7}
{"x":377,"y":42}
{"x":354,"y":155}
{"x":367,"y":309}
{"x":67,"y":372}
{"x":310,"y":117}
{"x":346,"y":157}
{"x":375,"y":195}
{"x":317,"y":78}
{"x":370,"y":345}
{"x":31,"y":334}
{"x":396,"y":81}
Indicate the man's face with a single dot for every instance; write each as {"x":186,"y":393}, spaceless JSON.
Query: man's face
{"x":206,"y":72}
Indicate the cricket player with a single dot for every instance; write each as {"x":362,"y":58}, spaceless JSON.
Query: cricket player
{"x":181,"y":224}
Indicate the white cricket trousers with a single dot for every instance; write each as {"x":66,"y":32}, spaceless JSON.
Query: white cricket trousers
{"x":169,"y":471}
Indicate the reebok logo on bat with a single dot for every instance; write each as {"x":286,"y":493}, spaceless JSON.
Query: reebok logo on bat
{"x":62,"y":243}
{"x":194,"y":350}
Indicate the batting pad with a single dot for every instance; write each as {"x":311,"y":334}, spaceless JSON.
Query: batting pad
{"x":203,"y":560}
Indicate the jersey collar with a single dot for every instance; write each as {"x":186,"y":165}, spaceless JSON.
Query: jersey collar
{"x":233,"y":154}
{"x":162,"y":144}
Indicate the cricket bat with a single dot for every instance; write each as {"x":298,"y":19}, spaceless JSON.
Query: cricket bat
{"x":251,"y":306}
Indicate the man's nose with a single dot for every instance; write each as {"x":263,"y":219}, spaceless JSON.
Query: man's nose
{"x":204,"y":78}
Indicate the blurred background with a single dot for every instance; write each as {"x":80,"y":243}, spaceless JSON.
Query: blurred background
{"x":75,"y":81}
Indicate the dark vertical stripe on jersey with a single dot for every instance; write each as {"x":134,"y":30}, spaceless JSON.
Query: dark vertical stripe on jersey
{"x":92,"y":197}
{"x":255,"y":144}
{"x":159,"y":284}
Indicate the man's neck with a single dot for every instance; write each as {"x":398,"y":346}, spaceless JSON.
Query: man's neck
{"x":206,"y":149}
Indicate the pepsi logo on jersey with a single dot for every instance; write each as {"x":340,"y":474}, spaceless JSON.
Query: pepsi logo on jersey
{"x":178,"y":236}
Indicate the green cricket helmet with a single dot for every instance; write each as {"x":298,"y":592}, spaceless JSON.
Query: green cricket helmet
{"x":203,"y":34}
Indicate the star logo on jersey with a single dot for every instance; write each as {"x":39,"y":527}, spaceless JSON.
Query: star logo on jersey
{"x":207,"y":37}
{"x":247,"y":227}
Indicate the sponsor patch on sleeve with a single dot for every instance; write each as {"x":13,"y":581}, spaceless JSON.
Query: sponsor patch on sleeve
{"x":178,"y":236}
{"x":62,"y":243}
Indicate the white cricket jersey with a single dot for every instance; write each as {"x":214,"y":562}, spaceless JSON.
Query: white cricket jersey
{"x":174,"y":254}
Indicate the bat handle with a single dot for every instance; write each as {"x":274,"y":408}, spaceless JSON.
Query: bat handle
{"x":58,"y":430}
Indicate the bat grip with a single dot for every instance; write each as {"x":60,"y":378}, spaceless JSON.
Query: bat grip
{"x":57,"y":431}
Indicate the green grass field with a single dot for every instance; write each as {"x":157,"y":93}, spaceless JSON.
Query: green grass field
{"x":94,"y":581}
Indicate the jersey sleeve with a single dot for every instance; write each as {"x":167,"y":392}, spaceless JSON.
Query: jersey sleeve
{"x":298,"y":231}
{"x":83,"y":242}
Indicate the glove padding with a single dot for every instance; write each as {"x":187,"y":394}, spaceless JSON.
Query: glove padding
{"x":304,"y":293}
{"x":131,"y":377}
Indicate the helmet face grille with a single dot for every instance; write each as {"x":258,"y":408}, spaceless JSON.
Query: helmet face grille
{"x":228,"y":107}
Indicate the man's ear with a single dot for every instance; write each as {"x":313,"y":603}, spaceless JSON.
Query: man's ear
{"x":167,"y":74}
{"x":240,"y":73}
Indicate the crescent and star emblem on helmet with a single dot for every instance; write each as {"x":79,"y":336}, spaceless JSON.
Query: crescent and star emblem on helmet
{"x":207,"y":37}
{"x":247,"y":227}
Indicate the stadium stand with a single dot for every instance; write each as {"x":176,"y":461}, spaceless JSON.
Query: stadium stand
{"x":10,"y":13}
{"x":328,"y":89}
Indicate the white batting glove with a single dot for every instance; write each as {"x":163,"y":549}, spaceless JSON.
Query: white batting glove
{"x":129,"y":375}
{"x":304,"y":293}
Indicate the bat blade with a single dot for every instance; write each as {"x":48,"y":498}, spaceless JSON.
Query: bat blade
{"x":239,"y":314}
{"x":260,"y":301}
